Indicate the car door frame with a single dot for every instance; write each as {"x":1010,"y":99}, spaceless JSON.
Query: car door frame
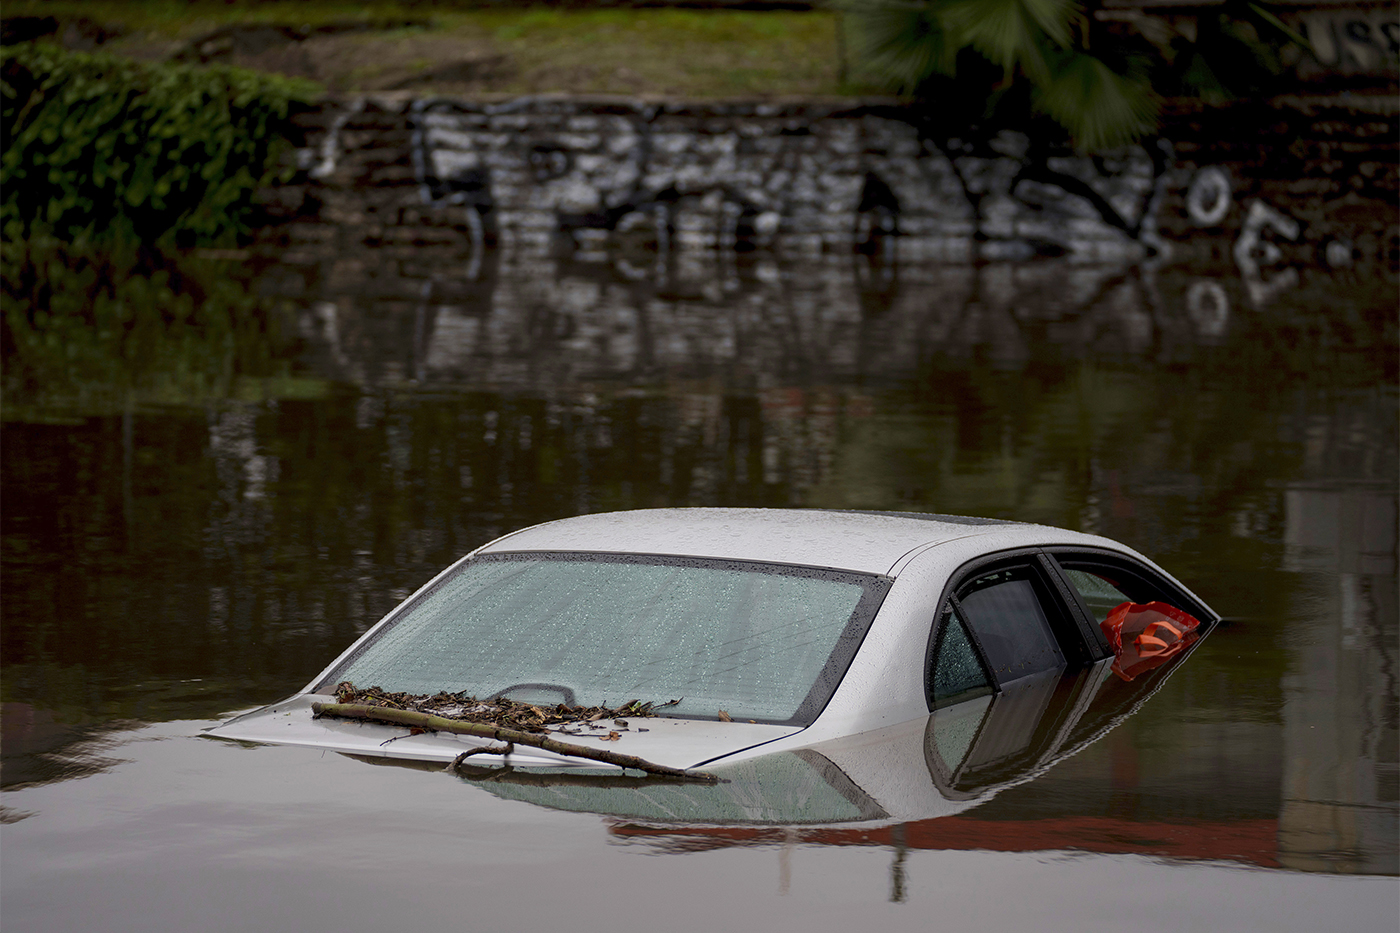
{"x":1146,"y":584}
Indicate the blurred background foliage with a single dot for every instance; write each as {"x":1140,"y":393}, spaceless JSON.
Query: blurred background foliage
{"x":1008,"y":61}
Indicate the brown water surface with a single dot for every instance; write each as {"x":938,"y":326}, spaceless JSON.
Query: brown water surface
{"x":198,"y":518}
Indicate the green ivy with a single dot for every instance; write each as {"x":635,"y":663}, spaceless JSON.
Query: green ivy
{"x":101,"y":149}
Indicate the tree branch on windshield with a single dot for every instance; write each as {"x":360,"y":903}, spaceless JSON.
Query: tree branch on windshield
{"x":483,"y":730}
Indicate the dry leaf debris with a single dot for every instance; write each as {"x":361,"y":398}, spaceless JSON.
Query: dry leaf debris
{"x":606,"y":722}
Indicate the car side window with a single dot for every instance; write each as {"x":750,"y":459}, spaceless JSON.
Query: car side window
{"x":1034,"y":612}
{"x":1103,"y":581}
{"x":1006,"y":616}
{"x":1099,"y":594}
{"x":958,"y":673}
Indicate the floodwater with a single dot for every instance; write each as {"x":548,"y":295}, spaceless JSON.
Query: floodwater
{"x":202,"y":509}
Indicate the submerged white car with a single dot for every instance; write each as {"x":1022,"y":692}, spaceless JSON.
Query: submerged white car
{"x":767,"y":632}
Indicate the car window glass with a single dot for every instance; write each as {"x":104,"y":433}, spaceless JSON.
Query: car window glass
{"x":1004,"y":611}
{"x":748,"y":641}
{"x":1098,"y":594}
{"x":957,"y":672}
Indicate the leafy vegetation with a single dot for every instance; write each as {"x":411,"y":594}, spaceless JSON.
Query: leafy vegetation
{"x":535,"y":48}
{"x":101,"y":148}
{"x":1240,"y":49}
{"x":108,"y":165}
{"x":1010,"y":60}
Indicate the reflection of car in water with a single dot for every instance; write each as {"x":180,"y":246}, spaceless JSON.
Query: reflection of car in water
{"x":831,"y":666}
{"x":939,"y":765}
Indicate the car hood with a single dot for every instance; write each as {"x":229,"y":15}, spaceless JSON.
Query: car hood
{"x":676,"y":743}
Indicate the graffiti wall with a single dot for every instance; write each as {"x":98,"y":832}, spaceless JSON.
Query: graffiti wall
{"x":1359,"y":39}
{"x":1256,"y":195}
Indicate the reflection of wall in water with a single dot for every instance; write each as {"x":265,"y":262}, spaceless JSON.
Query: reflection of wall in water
{"x":537,"y":321}
{"x":802,"y":335}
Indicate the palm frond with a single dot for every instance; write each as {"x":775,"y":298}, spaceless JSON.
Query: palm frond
{"x":1022,"y":48}
{"x":1100,"y":107}
{"x":1012,"y":33}
{"x":900,"y":45}
{"x":1288,"y":32}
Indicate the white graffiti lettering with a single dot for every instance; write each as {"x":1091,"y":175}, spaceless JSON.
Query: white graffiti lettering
{"x":1208,"y":198}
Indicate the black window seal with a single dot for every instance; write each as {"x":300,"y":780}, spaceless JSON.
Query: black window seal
{"x":874,"y":588}
{"x":1096,"y":646}
{"x":946,"y":602}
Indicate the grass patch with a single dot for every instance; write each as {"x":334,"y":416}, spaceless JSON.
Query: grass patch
{"x":678,"y":52}
{"x":179,"y":19}
{"x":687,"y":53}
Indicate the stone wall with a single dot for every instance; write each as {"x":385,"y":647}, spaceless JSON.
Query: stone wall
{"x":1263,"y":189}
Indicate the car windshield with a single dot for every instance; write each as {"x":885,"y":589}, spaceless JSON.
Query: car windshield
{"x":761,"y":642}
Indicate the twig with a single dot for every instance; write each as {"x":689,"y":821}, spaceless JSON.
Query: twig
{"x":510,"y":736}
{"x":505,"y":749}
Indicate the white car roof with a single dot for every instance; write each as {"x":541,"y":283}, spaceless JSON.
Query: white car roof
{"x":868,"y":542}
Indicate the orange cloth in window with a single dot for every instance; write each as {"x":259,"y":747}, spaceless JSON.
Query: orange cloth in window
{"x":1144,"y":636}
